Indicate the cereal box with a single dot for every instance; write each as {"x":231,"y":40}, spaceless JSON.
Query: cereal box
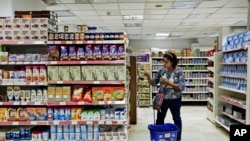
{"x":97,"y":93}
{"x":41,"y":113}
{"x":3,"y":114}
{"x":75,"y":73}
{"x":63,"y":73}
{"x":52,"y":73}
{"x":31,"y":113}
{"x":118,"y":93}
{"x":97,"y":73}
{"x":12,"y":114}
{"x":87,"y":73}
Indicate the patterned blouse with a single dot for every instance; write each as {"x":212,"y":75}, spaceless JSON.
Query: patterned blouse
{"x":177,"y":77}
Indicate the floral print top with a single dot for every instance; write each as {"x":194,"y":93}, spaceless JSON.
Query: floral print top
{"x":176,"y":77}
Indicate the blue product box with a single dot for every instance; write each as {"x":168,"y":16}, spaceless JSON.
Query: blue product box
{"x":240,"y":35}
{"x":78,"y":136}
{"x":235,"y":37}
{"x":245,"y":44}
{"x":65,"y":128}
{"x":231,"y":43}
{"x":240,"y":54}
{"x":56,"y":113}
{"x":66,"y":136}
{"x":84,"y":136}
{"x":72,"y":136}
{"x":235,"y":54}
{"x":83,"y":128}
{"x":229,"y":38}
{"x":229,"y":47}
{"x":246,"y":38}
{"x":238,"y":45}
{"x":53,"y":128}
{"x":71,"y":128}
{"x":96,"y":136}
{"x":247,"y":33}
{"x":223,"y":48}
{"x":236,"y":42}
{"x":59,"y":136}
{"x":237,"y":59}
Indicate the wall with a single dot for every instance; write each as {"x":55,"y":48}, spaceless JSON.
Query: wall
{"x":163,"y":44}
{"x":20,"y":5}
{"x":6,"y":8}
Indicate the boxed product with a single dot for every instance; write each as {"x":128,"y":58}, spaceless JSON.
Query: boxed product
{"x":43,"y":24}
{"x":108,"y":72}
{"x":1,"y":35}
{"x":31,"y":113}
{"x":41,"y":113}
{"x":120,"y":73}
{"x":87,"y":72}
{"x":3,"y":114}
{"x":17,"y":35}
{"x":8,"y":35}
{"x":97,"y":93}
{"x":43,"y":35}
{"x":58,"y":94}
{"x":8,"y":24}
{"x":35,"y":22}
{"x":12,"y":114}
{"x":52,"y":73}
{"x":66,"y":94}
{"x":51,"y":93}
{"x":107,"y":93}
{"x":25,"y":24}
{"x":97,"y":73}
{"x":1,"y":24}
{"x":26,"y":35}
{"x":75,"y":72}
{"x":16,"y":24}
{"x":63,"y":73}
{"x":35,"y":34}
{"x":118,"y":93}
{"x":22,"y":115}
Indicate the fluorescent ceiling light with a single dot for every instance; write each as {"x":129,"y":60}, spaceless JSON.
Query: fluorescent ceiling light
{"x":133,"y":24}
{"x":198,"y":16}
{"x":185,"y":4}
{"x":162,"y":34}
{"x":133,"y":17}
{"x":134,"y":35}
{"x":188,"y":23}
{"x":64,"y":13}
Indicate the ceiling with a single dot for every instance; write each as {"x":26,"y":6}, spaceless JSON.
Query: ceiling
{"x":143,"y":19}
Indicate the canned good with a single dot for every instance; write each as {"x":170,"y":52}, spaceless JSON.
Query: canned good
{"x":82,"y":36}
{"x":77,"y":36}
{"x":61,"y":36}
{"x":51,"y":37}
{"x":56,"y":36}
{"x":66,"y":36}
{"x":71,"y":36}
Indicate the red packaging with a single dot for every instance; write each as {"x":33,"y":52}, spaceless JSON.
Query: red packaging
{"x":88,"y":52}
{"x":64,"y":53}
{"x":88,"y":96}
{"x":97,"y":52}
{"x":77,"y":93}
{"x":72,"y":53}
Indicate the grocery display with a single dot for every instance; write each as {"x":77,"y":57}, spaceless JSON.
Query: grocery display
{"x":232,"y":100}
{"x":81,"y":84}
{"x":194,"y":65}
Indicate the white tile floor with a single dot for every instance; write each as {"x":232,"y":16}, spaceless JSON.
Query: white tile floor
{"x":196,"y":127}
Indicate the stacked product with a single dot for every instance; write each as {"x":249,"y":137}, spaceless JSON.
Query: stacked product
{"x":143,"y":86}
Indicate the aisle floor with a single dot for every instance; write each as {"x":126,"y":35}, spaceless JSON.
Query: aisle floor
{"x":196,"y":127}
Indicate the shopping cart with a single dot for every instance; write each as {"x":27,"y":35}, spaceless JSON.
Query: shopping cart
{"x":165,"y":132}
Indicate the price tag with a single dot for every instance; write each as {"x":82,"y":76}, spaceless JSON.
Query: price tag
{"x":58,"y":42}
{"x":89,"y":122}
{"x":20,"y":42}
{"x":59,"y":82}
{"x":83,"y":62}
{"x":26,"y":62}
{"x":96,"y":82}
{"x":74,"y":122}
{"x":32,"y":83}
{"x":79,"y":42}
{"x":100,"y":122}
{"x":56,"y":122}
{"x":11,"y":62}
{"x":81,"y":103}
{"x":37,"y":103}
{"x":3,"y":62}
{"x":1,"y":103}
{"x":16,"y":103}
{"x":109,"y":122}
{"x":23,"y":103}
{"x":33,"y":123}
{"x":62,"y":103}
{"x":69,"y":42}
{"x":101,"y":102}
{"x":53,"y":62}
{"x":15,"y":123}
{"x":35,"y":63}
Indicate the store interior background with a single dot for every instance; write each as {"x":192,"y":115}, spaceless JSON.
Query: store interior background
{"x":218,"y":19}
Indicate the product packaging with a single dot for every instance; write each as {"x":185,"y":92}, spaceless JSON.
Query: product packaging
{"x":53,"y":73}
{"x":72,"y":53}
{"x":87,"y":72}
{"x":97,"y":52}
{"x":63,"y":74}
{"x":64,"y":53}
{"x":80,"y":53}
{"x":75,"y":73}
{"x":88,"y":52}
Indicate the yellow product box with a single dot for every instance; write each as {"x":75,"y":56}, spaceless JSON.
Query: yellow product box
{"x":16,"y":24}
{"x":108,"y":72}
{"x":97,"y":93}
{"x":12,"y":114}
{"x":120,"y":72}
{"x":53,"y":73}
{"x":51,"y":93}
{"x":58,"y":95}
{"x":87,"y":73}
{"x":63,"y":73}
{"x":118,"y":93}
{"x":66,"y":95}
{"x":75,"y":73}
{"x":97,"y":73}
{"x":3,"y":114}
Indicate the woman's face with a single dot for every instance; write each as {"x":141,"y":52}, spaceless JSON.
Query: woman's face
{"x":167,"y":64}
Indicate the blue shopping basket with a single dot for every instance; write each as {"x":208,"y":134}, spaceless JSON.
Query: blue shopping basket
{"x":165,"y":132}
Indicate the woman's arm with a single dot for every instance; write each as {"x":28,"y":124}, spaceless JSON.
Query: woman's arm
{"x":155,"y":80}
{"x":181,"y":84}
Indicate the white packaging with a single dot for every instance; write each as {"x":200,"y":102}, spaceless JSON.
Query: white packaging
{"x":1,"y":24}
{"x":35,"y":34}
{"x":25,"y":24}
{"x":43,"y":23}
{"x":45,"y":92}
{"x":7,"y":24}
{"x":8,"y":35}
{"x":53,"y":136}
{"x":66,"y":136}
{"x":59,"y":129}
{"x":33,"y":95}
{"x":39,"y":95}
{"x":90,"y":135}
{"x":26,"y":35}
{"x":1,"y":35}
{"x":77,"y":128}
{"x":16,"y":23}
{"x":84,"y":136}
{"x":35,"y":22}
{"x":17,"y":35}
{"x":77,"y":136}
{"x":43,"y":35}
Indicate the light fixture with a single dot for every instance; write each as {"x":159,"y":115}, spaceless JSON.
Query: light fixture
{"x":185,"y":4}
{"x":158,"y":5}
{"x":198,"y":16}
{"x":133,"y":24}
{"x":162,"y":34}
{"x":133,"y":17}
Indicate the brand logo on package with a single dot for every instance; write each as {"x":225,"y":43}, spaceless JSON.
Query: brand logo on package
{"x":239,"y":132}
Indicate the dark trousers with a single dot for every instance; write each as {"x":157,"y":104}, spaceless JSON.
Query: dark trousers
{"x":175,"y":108}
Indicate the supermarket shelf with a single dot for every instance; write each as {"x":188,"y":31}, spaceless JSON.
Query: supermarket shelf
{"x":237,"y":49}
{"x":143,"y":98}
{"x":180,"y":64}
{"x":192,"y":57}
{"x":70,"y":103}
{"x":211,"y":58}
{"x":222,"y":125}
{"x":28,"y":42}
{"x":196,"y":92}
{"x":87,"y":82}
{"x":155,"y":70}
{"x":211,"y":79}
{"x":144,"y":105}
{"x":156,"y":57}
{"x":212,"y":69}
{"x":233,"y":90}
{"x":92,"y":62}
{"x":18,"y":103}
{"x":230,"y":101}
{"x":24,"y":63}
{"x":87,"y":42}
{"x":211,"y":101}
{"x":194,"y":100}
{"x":235,"y":63}
{"x":211,"y":90}
{"x":232,"y":117}
{"x":23,"y":84}
{"x":155,"y":92}
{"x":196,"y":84}
{"x":195,"y":70}
{"x":196,"y":78}
{"x":234,"y":76}
{"x":71,"y":122}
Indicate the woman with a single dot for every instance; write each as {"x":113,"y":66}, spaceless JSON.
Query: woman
{"x":172,"y":82}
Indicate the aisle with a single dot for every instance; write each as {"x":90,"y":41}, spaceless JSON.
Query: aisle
{"x":195,"y":125}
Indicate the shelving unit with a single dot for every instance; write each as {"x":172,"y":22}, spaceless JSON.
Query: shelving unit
{"x":47,"y":104}
{"x":233,"y":99}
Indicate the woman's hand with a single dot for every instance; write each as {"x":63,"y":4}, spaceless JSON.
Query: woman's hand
{"x":147,"y":75}
{"x":165,"y":81}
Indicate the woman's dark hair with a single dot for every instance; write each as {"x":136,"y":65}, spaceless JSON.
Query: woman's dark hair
{"x":172,"y":58}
